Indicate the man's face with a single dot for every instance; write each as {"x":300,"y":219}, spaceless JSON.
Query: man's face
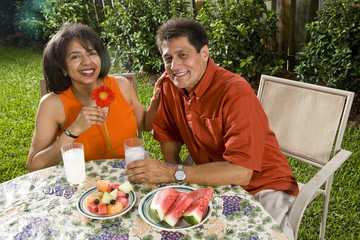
{"x":183,"y":63}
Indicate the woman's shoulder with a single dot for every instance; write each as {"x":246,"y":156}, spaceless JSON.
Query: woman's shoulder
{"x":121,"y":81}
{"x":50,"y":100}
{"x":51,"y":107}
{"x":125,"y":87}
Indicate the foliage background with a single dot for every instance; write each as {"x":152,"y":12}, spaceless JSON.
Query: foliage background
{"x":332,"y":55}
{"x":242,"y":34}
{"x":129,"y":31}
{"x":242,"y":37}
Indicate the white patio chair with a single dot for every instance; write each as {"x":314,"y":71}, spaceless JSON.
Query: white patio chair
{"x":309,"y":122}
{"x":129,"y":76}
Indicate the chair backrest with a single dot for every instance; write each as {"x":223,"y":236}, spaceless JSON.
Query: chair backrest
{"x":308,"y":120}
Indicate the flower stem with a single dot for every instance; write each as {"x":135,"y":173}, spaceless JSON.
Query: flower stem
{"x":107,"y":133}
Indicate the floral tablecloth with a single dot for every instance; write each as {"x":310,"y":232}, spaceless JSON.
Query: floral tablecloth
{"x":42,"y":205}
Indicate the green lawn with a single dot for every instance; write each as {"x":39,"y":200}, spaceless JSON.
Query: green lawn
{"x":20,"y":71}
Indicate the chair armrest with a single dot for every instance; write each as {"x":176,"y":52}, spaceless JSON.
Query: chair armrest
{"x":305,"y":195}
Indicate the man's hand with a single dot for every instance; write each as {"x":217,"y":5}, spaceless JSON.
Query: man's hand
{"x":150,"y":171}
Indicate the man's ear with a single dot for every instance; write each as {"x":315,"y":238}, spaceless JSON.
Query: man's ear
{"x":205,"y":53}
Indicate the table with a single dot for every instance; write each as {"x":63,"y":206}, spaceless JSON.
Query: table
{"x":42,"y":205}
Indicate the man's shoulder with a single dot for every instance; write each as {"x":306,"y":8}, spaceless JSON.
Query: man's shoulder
{"x":230,"y":81}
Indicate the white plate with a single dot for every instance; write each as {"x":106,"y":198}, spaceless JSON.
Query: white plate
{"x":84,"y":210}
{"x":144,"y":211}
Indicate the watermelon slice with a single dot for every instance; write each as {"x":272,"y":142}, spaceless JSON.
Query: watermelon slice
{"x":102,"y":209}
{"x":195,"y":212}
{"x":162,"y":202}
{"x":177,"y":209}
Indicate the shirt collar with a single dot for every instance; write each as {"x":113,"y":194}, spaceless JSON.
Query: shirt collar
{"x":204,"y":82}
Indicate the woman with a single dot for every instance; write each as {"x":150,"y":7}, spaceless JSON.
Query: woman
{"x":75,"y":62}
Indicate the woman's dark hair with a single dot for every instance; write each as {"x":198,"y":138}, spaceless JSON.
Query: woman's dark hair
{"x":182,"y":27}
{"x":54,"y":54}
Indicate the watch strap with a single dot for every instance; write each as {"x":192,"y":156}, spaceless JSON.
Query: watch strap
{"x":68,"y":133}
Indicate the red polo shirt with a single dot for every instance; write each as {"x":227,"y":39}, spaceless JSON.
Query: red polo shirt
{"x":222,"y":120}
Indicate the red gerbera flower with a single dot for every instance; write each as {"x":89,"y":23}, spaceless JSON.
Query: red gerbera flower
{"x":103,"y":96}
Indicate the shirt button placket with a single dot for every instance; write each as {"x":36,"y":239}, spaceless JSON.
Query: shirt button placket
{"x":189,"y":114}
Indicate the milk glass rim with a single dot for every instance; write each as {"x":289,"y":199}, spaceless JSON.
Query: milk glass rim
{"x":134,"y":140}
{"x":72,"y":145}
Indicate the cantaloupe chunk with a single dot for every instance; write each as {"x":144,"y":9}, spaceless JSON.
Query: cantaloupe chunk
{"x":92,"y":198}
{"x":102,"y":185}
{"x":114,"y":208}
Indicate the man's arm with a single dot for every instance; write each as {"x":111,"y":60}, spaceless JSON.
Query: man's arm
{"x":218,"y":173}
{"x":215,"y":173}
{"x":170,"y":151}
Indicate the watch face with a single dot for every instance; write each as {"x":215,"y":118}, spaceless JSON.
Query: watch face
{"x":180,"y":175}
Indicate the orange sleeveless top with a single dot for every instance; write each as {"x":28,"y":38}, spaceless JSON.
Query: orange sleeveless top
{"x":121,"y":124}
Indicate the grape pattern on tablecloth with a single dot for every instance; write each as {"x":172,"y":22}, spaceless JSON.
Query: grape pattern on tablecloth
{"x":41,"y":205}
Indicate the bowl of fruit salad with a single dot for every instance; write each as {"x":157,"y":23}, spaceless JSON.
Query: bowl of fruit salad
{"x":107,"y":200}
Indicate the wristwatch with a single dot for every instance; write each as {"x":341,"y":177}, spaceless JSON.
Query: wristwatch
{"x":180,"y":174}
{"x":68,"y":133}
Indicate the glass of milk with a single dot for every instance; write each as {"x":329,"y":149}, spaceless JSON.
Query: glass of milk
{"x":74,"y":163}
{"x":134,"y":149}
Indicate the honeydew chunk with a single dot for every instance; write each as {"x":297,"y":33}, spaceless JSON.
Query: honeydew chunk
{"x":114,"y":193}
{"x":126,"y":187}
{"x":107,"y":197}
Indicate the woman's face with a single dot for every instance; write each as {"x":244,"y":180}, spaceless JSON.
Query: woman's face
{"x":82,"y":66}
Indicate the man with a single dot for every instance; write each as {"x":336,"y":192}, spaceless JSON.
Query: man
{"x":216,"y":114}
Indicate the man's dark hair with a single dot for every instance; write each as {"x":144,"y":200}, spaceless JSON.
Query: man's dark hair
{"x":54,"y":54}
{"x":182,"y":27}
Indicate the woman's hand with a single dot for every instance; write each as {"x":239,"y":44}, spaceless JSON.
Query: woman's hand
{"x":156,"y":91}
{"x":88,"y":116}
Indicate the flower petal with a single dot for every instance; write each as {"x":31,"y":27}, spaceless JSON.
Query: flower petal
{"x":103,"y":96}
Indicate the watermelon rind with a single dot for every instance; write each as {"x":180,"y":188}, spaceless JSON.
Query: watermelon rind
{"x":192,"y":219}
{"x":161,"y":203}
{"x":182,"y":202}
{"x":196,"y":210}
{"x":154,"y":214}
{"x":154,"y":211}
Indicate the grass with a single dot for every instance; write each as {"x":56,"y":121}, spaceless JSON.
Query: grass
{"x":20,"y":71}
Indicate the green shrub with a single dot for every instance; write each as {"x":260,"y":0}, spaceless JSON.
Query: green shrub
{"x":56,"y":12}
{"x":7,"y":13}
{"x":29,"y":21}
{"x":130,"y":30}
{"x":242,"y":36}
{"x":332,"y":57}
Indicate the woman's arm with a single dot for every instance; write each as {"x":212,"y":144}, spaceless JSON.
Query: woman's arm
{"x":50,"y":117}
{"x":45,"y":146}
{"x":144,"y":118}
